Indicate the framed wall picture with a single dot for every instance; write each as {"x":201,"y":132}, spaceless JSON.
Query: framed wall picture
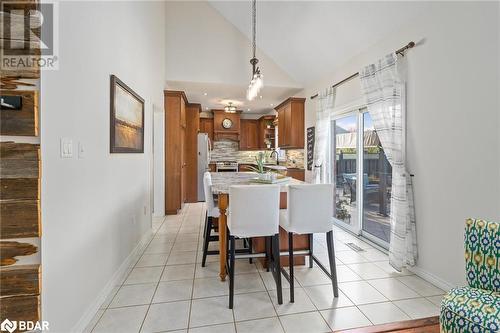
{"x":127,"y":119}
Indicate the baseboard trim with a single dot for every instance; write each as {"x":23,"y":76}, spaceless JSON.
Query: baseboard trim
{"x":437,"y":281}
{"x":119,"y":275}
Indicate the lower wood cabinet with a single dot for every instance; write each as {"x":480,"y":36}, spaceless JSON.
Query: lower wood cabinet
{"x":244,"y":167}
{"x":298,"y":174}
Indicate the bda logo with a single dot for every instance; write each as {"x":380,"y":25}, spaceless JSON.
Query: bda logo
{"x":8,"y":325}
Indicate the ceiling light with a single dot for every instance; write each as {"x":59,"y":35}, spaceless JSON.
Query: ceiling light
{"x":230,"y":108}
{"x":248,"y":109}
{"x":206,"y":108}
{"x":205,"y":94}
{"x":260,"y":96}
{"x":257,"y":81}
{"x":272,"y":104}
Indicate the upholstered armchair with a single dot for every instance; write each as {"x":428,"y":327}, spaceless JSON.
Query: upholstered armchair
{"x":476,"y":307}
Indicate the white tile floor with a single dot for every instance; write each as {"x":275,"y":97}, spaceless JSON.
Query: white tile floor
{"x":167,"y":290}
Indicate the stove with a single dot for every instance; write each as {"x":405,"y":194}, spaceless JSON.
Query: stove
{"x":226,"y":166}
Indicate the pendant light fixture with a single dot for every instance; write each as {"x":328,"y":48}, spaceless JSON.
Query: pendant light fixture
{"x":257,"y":81}
{"x":230,"y":108}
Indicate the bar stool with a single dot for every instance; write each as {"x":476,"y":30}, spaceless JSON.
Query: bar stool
{"x":310,"y":209}
{"x":212,"y":212}
{"x":254,"y":212}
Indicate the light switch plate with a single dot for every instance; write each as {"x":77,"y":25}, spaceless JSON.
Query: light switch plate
{"x":66,"y":148}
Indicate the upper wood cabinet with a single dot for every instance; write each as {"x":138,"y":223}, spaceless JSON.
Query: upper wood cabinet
{"x":267,"y":132}
{"x":207,"y":126}
{"x":249,"y":134}
{"x":232,"y":133}
{"x":291,"y":123}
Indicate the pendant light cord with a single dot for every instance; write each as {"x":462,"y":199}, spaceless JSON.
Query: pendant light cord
{"x":254,"y":20}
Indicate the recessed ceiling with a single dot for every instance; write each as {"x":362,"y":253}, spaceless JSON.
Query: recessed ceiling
{"x":216,"y":96}
{"x":310,"y":39}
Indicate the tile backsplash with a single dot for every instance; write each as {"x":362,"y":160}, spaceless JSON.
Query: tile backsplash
{"x":229,"y":151}
{"x":224,"y":150}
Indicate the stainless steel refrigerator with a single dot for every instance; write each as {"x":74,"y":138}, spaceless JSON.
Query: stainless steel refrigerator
{"x":204,"y":149}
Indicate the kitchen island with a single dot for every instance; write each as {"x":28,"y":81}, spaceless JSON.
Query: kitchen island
{"x":220,"y":187}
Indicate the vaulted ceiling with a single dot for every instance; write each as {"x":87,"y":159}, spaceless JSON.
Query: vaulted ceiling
{"x":298,"y":42}
{"x":310,"y":39}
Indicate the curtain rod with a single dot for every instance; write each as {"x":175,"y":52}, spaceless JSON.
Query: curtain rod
{"x":398,"y":51}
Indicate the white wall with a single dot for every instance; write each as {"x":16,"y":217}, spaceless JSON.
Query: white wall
{"x":212,"y":49}
{"x":453,"y":124}
{"x":159,"y":160}
{"x":93,"y":208}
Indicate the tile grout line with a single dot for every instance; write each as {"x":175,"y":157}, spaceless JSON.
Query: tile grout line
{"x":194,"y":273}
{"x":124,"y":279}
{"x":159,"y":280}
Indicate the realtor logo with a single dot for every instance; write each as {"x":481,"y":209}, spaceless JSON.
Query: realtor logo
{"x":9,"y":326}
{"x":29,"y":33}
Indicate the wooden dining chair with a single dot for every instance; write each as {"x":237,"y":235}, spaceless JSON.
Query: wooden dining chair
{"x":309,"y":211}
{"x":254,"y":212}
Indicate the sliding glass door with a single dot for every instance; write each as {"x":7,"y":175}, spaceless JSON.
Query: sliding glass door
{"x":362,"y":207}
{"x":345,"y":169}
{"x":376,"y":185}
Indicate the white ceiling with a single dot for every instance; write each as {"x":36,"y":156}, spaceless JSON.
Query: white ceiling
{"x":216,"y":96}
{"x":310,"y":39}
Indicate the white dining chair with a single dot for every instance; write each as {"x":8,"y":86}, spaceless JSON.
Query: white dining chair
{"x":212,"y":212}
{"x":309,"y":211}
{"x":254,"y":212}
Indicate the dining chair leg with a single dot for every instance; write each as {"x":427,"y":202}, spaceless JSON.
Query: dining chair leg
{"x":268,"y":253}
{"x":208,"y":231}
{"x":250,"y":260}
{"x":290,"y":265}
{"x":206,"y":220}
{"x":231,"y":271}
{"x":275,"y":240}
{"x":311,"y":249}
{"x":331,"y":259}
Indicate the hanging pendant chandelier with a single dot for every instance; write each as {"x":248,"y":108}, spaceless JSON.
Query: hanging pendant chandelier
{"x":257,"y":81}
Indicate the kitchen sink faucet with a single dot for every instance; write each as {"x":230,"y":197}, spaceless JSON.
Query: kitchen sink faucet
{"x":277,"y":156}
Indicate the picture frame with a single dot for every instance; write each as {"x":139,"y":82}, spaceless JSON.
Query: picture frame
{"x":126,"y":118}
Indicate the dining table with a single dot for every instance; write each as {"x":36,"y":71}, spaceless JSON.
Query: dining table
{"x":221,"y":182}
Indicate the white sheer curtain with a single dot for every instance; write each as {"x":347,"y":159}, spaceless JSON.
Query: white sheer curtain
{"x":383,"y":88}
{"x":326,"y":101}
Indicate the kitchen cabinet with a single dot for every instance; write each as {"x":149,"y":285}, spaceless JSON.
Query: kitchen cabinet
{"x":181,"y":151}
{"x":267,"y":132}
{"x":175,"y":107}
{"x":298,"y":174}
{"x":291,"y":123}
{"x":233,"y":131}
{"x":245,"y":167}
{"x":249,"y":134}
{"x":207,"y":126}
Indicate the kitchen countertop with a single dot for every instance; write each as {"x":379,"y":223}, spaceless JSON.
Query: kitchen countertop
{"x":272,"y":166}
{"x":223,"y":180}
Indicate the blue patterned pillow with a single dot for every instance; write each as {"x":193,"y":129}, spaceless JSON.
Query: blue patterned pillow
{"x":482,"y":254}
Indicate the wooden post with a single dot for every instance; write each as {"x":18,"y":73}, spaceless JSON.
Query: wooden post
{"x":223,"y":203}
